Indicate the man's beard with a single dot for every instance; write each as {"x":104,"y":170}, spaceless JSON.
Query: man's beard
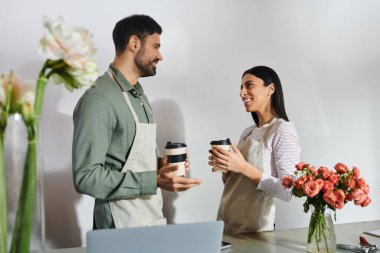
{"x":145,"y":68}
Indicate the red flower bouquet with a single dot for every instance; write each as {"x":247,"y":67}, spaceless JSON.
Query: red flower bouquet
{"x":326,"y":189}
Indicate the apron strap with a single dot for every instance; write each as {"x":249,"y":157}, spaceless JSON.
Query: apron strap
{"x":112,"y":75}
{"x":126,"y":97}
{"x":266,"y":133}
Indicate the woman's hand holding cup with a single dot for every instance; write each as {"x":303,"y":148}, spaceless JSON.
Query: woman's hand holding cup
{"x":223,"y":146}
{"x":227,"y":161}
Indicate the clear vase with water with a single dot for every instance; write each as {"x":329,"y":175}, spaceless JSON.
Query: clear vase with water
{"x":15,"y":153}
{"x":321,"y":233}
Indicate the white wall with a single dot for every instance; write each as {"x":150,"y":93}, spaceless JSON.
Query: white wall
{"x":326,"y":53}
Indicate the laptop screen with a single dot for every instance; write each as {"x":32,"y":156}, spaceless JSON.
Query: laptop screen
{"x":185,"y":238}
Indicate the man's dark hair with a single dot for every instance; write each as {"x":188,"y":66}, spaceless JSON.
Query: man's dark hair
{"x":269,"y":76}
{"x":139,"y":25}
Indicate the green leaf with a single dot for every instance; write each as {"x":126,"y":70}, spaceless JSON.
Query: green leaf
{"x":68,"y":79}
{"x":306,"y":207}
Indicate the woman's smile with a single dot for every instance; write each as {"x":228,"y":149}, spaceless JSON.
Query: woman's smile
{"x":247,"y":100}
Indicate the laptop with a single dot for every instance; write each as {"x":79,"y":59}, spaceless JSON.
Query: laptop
{"x":200,"y":237}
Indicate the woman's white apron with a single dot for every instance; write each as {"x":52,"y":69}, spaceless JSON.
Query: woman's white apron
{"x":243,"y":207}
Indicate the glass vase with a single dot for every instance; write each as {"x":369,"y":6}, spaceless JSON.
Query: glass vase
{"x":15,"y":154}
{"x":321,"y":234}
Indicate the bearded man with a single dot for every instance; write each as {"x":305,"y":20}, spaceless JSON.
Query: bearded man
{"x":114,"y":143}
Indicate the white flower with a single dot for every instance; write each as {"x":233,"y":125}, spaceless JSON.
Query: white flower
{"x":19,"y":88}
{"x":27,"y":102}
{"x":75,"y":47}
{"x":81,"y":77}
{"x":28,"y":97}
{"x":87,"y":75}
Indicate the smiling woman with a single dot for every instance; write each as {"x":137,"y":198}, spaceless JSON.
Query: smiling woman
{"x":266,"y":152}
{"x":262,"y":94}
{"x":254,"y":93}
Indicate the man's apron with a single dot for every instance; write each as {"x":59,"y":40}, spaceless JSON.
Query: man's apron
{"x":142,"y":210}
{"x":243,"y":207}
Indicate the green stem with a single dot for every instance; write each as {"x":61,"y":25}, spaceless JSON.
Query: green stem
{"x":324,"y":236}
{"x":318,"y":234}
{"x":24,"y":216}
{"x":9,"y":94}
{"x":3,"y":179}
{"x":40,"y":92}
{"x":321,"y":227}
{"x":3,"y":200}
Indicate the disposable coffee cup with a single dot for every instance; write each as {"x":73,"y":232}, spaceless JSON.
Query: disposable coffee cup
{"x":224,"y":144}
{"x":176,"y":153}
